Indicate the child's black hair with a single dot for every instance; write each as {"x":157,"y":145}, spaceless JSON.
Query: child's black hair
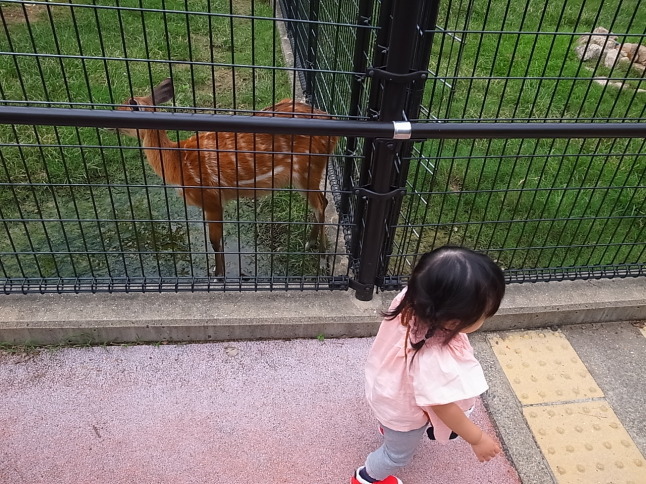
{"x":450,"y":284}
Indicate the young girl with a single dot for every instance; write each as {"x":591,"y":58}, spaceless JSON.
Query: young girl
{"x":421,"y":374}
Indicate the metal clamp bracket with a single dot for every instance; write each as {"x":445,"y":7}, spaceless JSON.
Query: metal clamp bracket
{"x":365,"y":193}
{"x":402,"y":129}
{"x":339,"y":283}
{"x":364,"y":291}
{"x":391,"y":76}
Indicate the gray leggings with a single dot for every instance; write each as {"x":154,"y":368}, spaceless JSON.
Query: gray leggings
{"x":396,"y":451}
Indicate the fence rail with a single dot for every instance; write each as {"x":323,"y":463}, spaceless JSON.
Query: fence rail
{"x":504,"y":126}
{"x":322,"y":127}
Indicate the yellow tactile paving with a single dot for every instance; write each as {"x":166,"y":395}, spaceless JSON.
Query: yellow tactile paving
{"x":585,"y":443}
{"x":543,"y":367}
{"x":581,"y":437}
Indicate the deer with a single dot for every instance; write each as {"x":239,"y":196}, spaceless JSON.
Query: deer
{"x":213,"y":168}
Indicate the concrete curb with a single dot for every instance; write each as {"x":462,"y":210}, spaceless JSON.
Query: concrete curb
{"x":507,"y":415}
{"x":183,"y":317}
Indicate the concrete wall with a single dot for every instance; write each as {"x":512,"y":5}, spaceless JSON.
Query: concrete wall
{"x":150,"y":317}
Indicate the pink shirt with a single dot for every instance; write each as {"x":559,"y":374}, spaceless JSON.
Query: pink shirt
{"x":401,"y":389}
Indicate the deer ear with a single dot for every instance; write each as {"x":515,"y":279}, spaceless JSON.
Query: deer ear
{"x":164,"y":92}
{"x":134,"y":104}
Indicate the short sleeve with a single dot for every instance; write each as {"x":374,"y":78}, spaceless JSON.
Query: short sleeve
{"x":444,"y":374}
{"x":398,"y":298}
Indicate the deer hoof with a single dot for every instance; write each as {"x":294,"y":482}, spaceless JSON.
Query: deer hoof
{"x":213,"y":272}
{"x":324,"y":264}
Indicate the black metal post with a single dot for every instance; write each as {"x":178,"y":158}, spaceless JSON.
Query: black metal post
{"x":372,"y":111}
{"x":312,"y":51}
{"x":421,"y":59}
{"x":403,"y":37}
{"x":359,"y":66}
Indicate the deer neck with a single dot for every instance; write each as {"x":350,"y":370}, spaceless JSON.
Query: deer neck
{"x":163,"y":155}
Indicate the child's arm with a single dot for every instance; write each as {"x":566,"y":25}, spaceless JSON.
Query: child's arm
{"x":482,"y":444}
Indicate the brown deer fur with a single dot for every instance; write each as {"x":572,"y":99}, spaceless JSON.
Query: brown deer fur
{"x":213,"y":168}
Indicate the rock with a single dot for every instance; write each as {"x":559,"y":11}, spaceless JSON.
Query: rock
{"x":611,"y":58}
{"x":595,"y":45}
{"x":635,"y":54}
{"x":588,"y":52}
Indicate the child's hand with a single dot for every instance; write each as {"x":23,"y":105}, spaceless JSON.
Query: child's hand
{"x":452,"y":415}
{"x":486,"y":448}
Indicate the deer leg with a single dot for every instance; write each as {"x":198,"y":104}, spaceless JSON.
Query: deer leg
{"x":215,"y":236}
{"x":318,"y":202}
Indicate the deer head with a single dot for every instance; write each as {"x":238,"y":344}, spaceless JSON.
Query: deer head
{"x":162,"y":93}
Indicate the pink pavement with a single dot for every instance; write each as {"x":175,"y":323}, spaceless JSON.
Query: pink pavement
{"x":225,"y":413}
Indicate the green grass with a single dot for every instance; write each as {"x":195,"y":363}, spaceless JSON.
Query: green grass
{"x":97,"y":33}
{"x":519,"y":175}
{"x":124,"y":244}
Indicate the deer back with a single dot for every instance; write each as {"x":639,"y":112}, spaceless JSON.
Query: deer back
{"x":244,"y":164}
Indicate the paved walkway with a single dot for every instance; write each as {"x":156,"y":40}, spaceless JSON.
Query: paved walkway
{"x":293,"y":412}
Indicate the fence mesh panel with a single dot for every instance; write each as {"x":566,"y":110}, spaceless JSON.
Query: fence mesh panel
{"x":545,"y":209}
{"x":82,"y":209}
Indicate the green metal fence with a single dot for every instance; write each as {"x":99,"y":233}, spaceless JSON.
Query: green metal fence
{"x":82,"y":210}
